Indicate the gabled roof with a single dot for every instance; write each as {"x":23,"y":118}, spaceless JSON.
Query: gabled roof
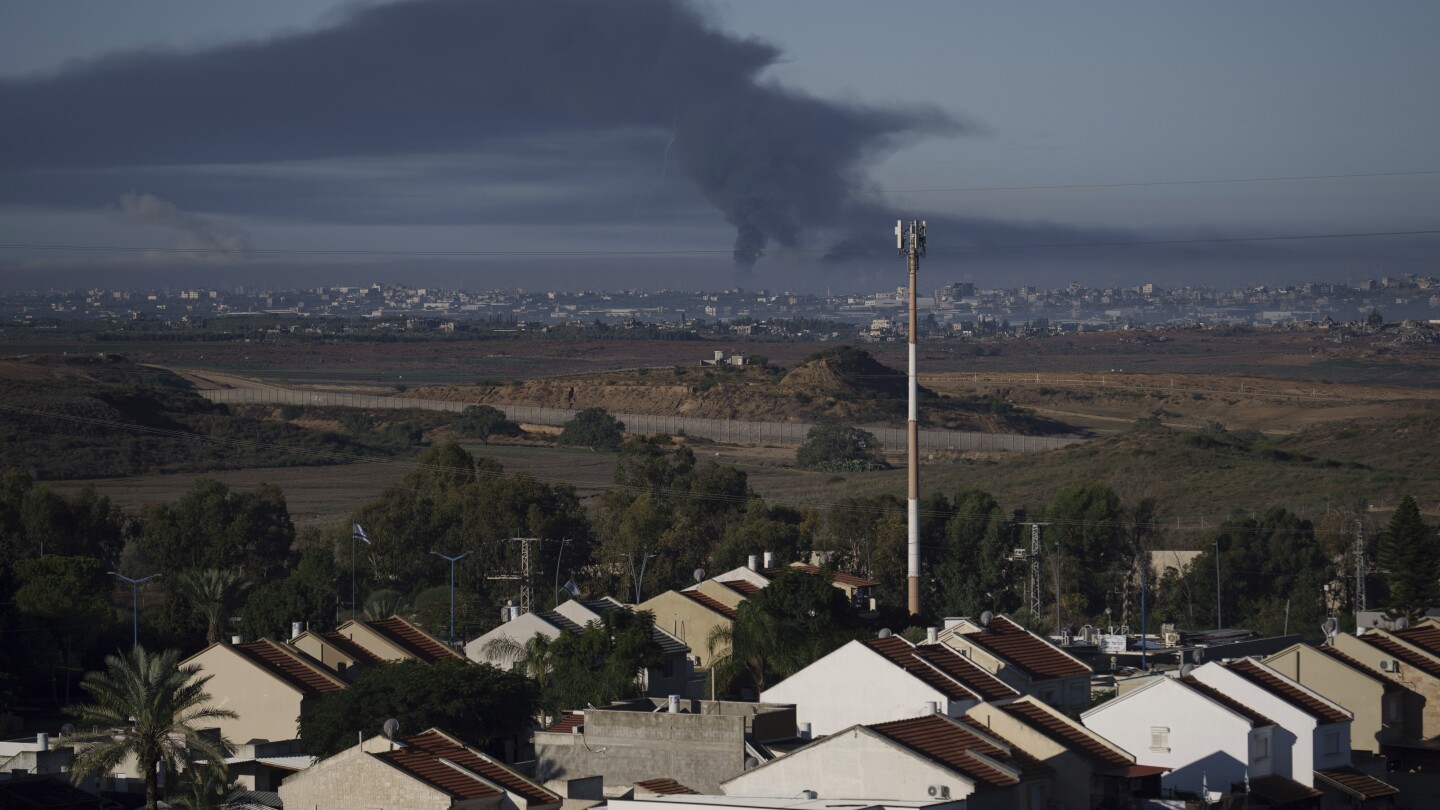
{"x":1400,"y":652}
{"x":429,"y":757}
{"x":1426,"y":638}
{"x":291,"y":666}
{"x":712,"y":603}
{"x":1285,"y":690}
{"x":1076,"y":738}
{"x":1225,"y":700}
{"x":740,"y":586}
{"x":943,"y":670}
{"x":413,"y":640}
{"x":349,"y":647}
{"x":567,"y":723}
{"x":954,"y":746}
{"x":665,"y":786}
{"x":1357,"y":665}
{"x":1028,"y":652}
{"x":1362,"y":786}
{"x":834,"y":576}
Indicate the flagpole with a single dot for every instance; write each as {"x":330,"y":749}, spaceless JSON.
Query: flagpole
{"x":352,"y":574}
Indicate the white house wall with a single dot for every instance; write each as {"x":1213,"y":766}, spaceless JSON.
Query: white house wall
{"x":518,"y":630}
{"x":856,"y":685}
{"x":854,"y":764}
{"x":1207,"y":741}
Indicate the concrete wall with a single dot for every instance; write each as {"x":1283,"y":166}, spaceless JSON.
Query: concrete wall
{"x":855,"y":685}
{"x":1364,"y":696}
{"x":269,"y":708}
{"x":699,"y":750}
{"x":687,"y":620}
{"x":1422,"y":705}
{"x":1206,"y":741}
{"x":354,"y":780}
{"x":853,"y":764}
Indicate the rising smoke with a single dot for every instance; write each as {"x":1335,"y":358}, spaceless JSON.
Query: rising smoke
{"x":197,"y":233}
{"x":451,"y":76}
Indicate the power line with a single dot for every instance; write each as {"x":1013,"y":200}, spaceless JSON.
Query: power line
{"x":694,"y":252}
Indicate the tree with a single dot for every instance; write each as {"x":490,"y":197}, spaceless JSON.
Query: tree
{"x":308,"y":593}
{"x":833,"y":447}
{"x":475,"y":702}
{"x":70,"y":598}
{"x":212,"y":593}
{"x":785,"y":627}
{"x":150,"y":709}
{"x":602,"y":663}
{"x":1408,"y":550}
{"x":483,"y":421}
{"x":594,"y":428}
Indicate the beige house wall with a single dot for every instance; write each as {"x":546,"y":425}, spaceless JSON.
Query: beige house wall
{"x":322,"y":651}
{"x":721,"y":593}
{"x":373,"y":641}
{"x":1361,"y":694}
{"x":688,"y":621}
{"x":1074,"y":775}
{"x":269,"y":708}
{"x":354,"y":780}
{"x":1422,"y":705}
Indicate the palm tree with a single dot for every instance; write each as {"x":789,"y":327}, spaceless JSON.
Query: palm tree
{"x":212,"y":592}
{"x":746,"y":646}
{"x":533,"y":656}
{"x":384,"y":603}
{"x":201,"y":789}
{"x":144,"y":705}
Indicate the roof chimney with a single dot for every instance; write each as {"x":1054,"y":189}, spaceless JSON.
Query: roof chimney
{"x":237,"y":640}
{"x":769,"y":560}
{"x":674,"y":704}
{"x":932,"y":635}
{"x":296,"y":628}
{"x":754,"y":562}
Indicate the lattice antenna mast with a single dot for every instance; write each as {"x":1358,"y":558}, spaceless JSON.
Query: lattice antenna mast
{"x":1034,"y":555}
{"x":526,"y":592}
{"x":1360,"y":565}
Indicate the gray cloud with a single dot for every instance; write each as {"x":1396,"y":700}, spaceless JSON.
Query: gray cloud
{"x":196,"y":232}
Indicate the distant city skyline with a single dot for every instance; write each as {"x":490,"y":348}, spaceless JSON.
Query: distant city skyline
{"x":683,"y":132}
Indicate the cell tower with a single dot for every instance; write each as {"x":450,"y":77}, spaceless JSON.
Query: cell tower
{"x":1035,"y":570}
{"x":910,"y":242}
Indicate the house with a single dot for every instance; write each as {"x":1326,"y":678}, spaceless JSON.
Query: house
{"x":882,"y":679}
{"x":675,"y":676}
{"x":427,"y":771}
{"x":691,"y":616}
{"x":336,"y":651}
{"x":1028,"y":663}
{"x":1312,"y":732}
{"x":267,"y":683}
{"x":699,"y":743}
{"x":1090,"y":771}
{"x":1406,"y":663}
{"x":395,"y":639}
{"x":1376,"y":702}
{"x":859,"y":590}
{"x":920,"y":759}
{"x":1206,"y":739}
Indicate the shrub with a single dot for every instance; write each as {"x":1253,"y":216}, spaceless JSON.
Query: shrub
{"x":594,"y":428}
{"x":483,"y":421}
{"x":291,"y":412}
{"x":829,"y":444}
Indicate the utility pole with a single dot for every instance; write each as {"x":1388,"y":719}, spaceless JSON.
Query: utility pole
{"x":134,"y":604}
{"x":1359,"y":565}
{"x":1219,"y":625}
{"x":910,"y":242}
{"x":452,"y":561}
{"x":1056,"y":566}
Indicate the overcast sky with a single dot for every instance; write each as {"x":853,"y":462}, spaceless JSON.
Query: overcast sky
{"x":698,"y":145}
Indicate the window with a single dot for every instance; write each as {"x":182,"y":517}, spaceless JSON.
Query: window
{"x":1392,"y":708}
{"x":1160,"y":739}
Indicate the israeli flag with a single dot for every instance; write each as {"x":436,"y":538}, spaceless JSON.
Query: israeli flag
{"x":571,"y":588}
{"x":358,"y":533}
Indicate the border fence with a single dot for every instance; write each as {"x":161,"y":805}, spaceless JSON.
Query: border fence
{"x":733,"y":431}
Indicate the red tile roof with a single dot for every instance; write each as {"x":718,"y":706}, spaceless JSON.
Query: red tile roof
{"x":1289,"y":692}
{"x":711,"y":603}
{"x":665,"y":786}
{"x":902,"y":654}
{"x":835,"y":576}
{"x":742,"y":587}
{"x":1226,"y":701}
{"x":1426,"y":638}
{"x":413,"y":640}
{"x":953,"y":745}
{"x":970,"y":674}
{"x":1077,"y":739}
{"x":424,"y":756}
{"x":1031,"y":654}
{"x":1360,"y":785}
{"x":350,"y":648}
{"x":567,"y":723}
{"x":290,"y":667}
{"x":1279,"y":790}
{"x":1401,"y":653}
{"x":1030,"y":767}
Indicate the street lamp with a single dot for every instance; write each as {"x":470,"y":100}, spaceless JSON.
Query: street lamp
{"x":452,"y":561}
{"x":134,"y":605}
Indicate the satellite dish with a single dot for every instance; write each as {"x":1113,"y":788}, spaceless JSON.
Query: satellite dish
{"x":1185,"y":670}
{"x":985,"y":618}
{"x":391,"y":728}
{"x":1330,"y":626}
{"x":884,"y":633}
{"x":751,"y":762}
{"x":67,"y":729}
{"x":699,"y":574}
{"x":1402,"y":623}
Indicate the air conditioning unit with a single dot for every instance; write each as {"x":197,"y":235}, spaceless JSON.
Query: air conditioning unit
{"x":1172,"y":639}
{"x":939,"y":791}
{"x":1388,"y":665}
{"x":1019,"y":554}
